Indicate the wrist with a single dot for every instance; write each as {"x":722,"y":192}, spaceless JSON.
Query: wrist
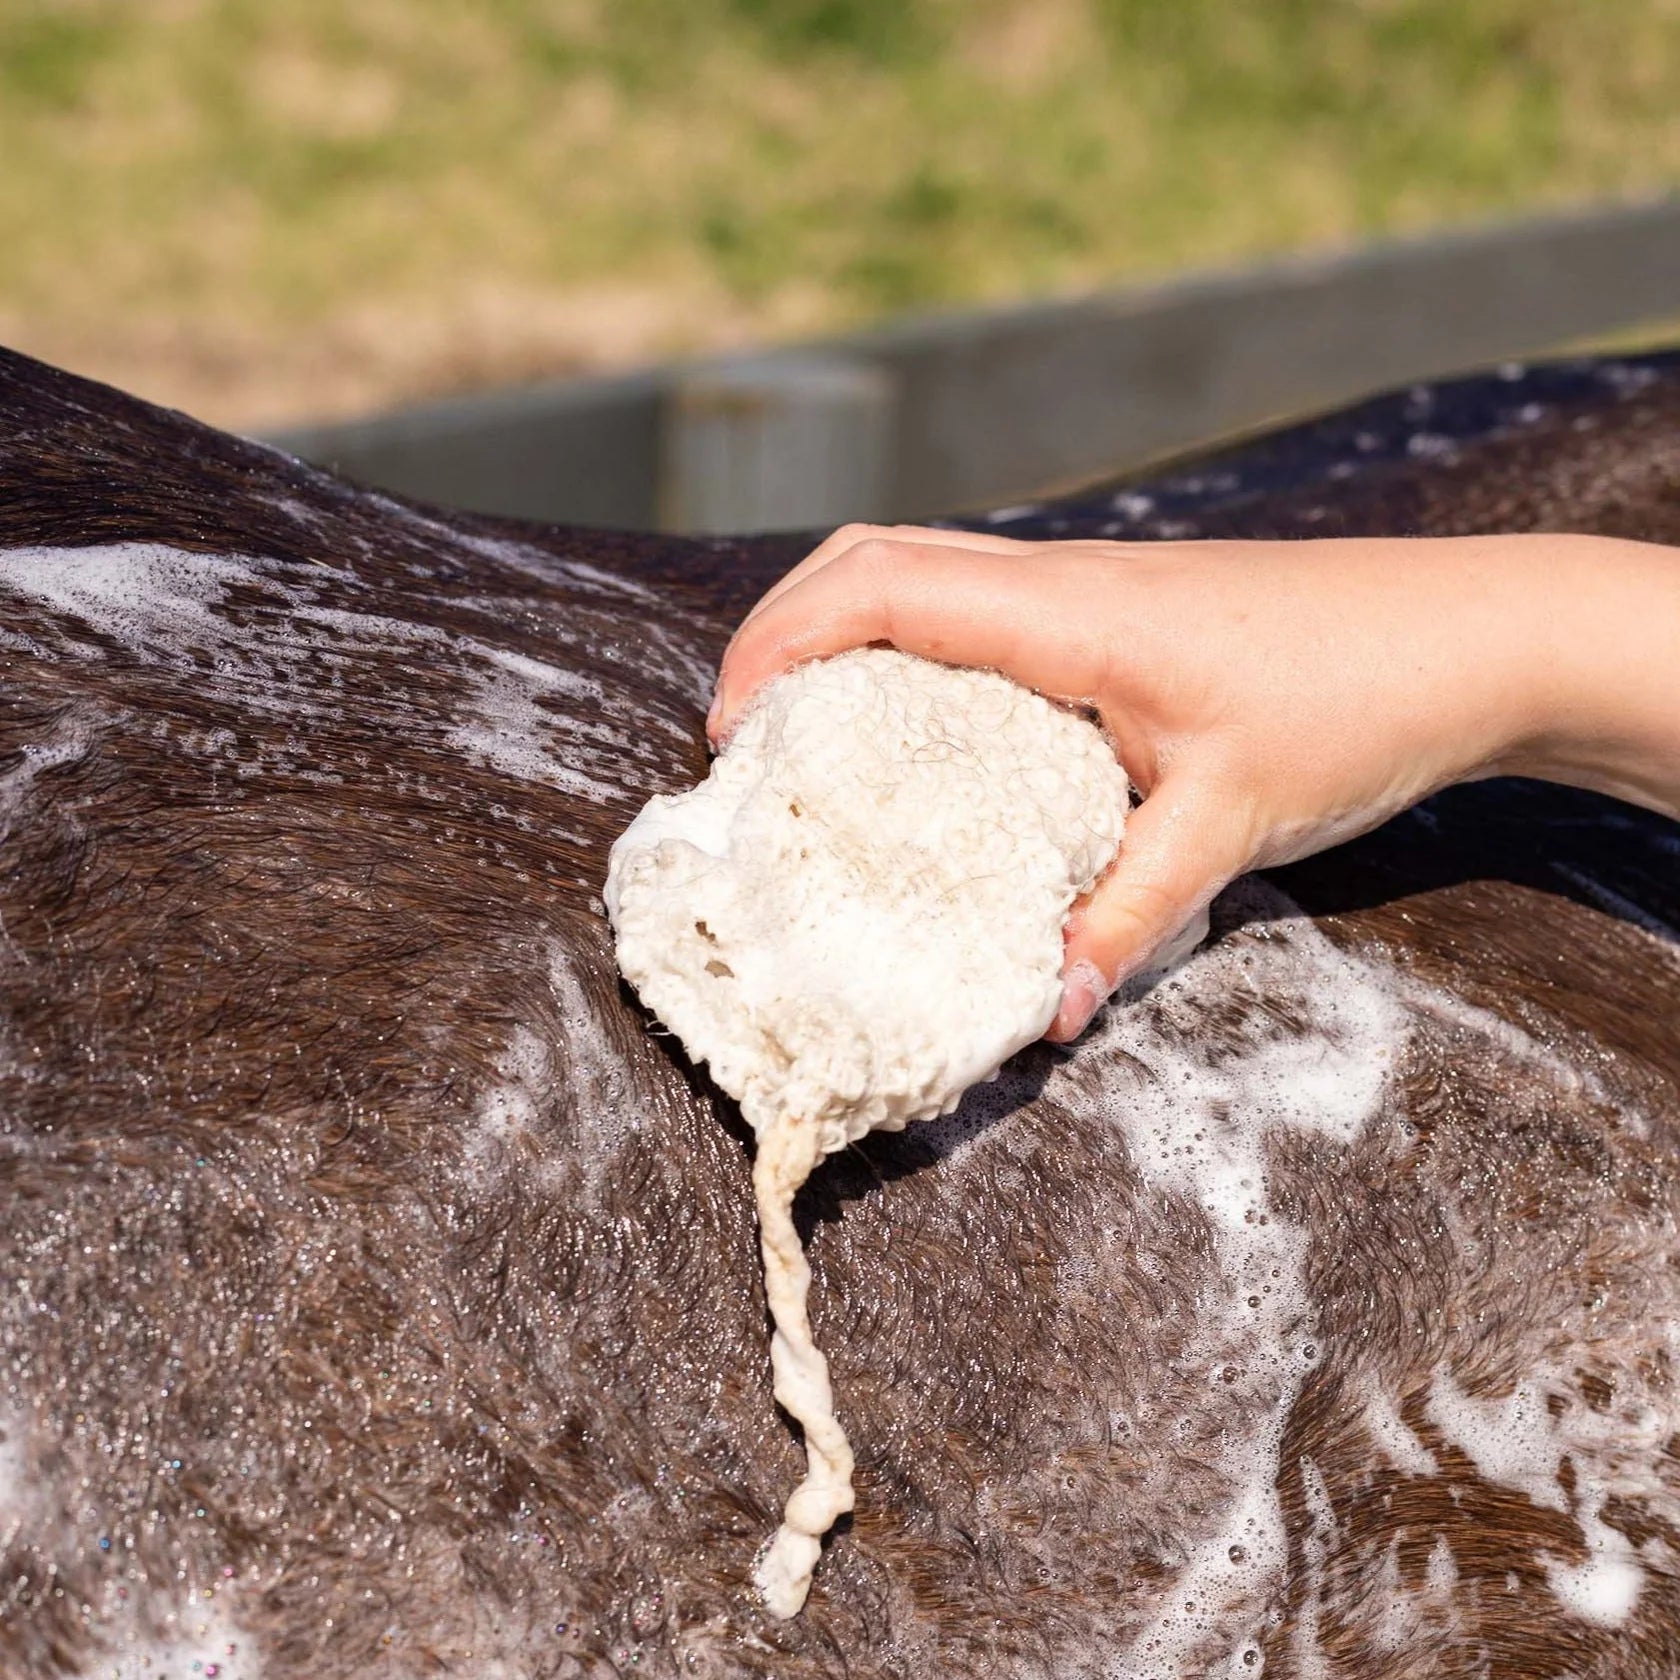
{"x":1598,"y":684}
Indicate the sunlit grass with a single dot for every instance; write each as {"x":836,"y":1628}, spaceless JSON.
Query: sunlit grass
{"x":264,"y":210}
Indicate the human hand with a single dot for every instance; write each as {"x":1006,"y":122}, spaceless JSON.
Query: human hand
{"x":1268,"y":699}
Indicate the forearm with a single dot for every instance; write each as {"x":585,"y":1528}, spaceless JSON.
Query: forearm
{"x":1605,"y":702}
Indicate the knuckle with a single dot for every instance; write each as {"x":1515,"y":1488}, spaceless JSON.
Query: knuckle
{"x":856,"y":531}
{"x":880,"y":556}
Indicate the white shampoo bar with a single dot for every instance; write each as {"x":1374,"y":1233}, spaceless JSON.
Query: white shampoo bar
{"x":854,"y":918}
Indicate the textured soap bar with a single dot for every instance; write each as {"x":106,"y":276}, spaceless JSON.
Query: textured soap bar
{"x":859,"y":913}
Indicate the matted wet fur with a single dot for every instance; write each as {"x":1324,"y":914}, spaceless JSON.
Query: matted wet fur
{"x":380,"y":1292}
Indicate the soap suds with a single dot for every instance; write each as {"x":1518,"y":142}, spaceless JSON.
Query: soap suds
{"x":1509,"y":1439}
{"x":1523,"y":1439}
{"x":595,"y":1074}
{"x":1310,"y":1662}
{"x":509,"y":722}
{"x":66,"y":742}
{"x":14,"y":1493}
{"x":508,"y":1111}
{"x":856,"y":917}
{"x":1397,"y":1439}
{"x":1325,"y":1032}
{"x":266,"y":637}
{"x":1440,"y":1578}
{"x":1408,"y":1618}
{"x":192,"y":1643}
{"x":1605,"y":1587}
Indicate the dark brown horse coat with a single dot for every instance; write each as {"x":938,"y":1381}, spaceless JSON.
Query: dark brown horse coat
{"x":378,"y":1290}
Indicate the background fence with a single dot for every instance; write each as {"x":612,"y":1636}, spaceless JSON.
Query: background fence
{"x":938,"y":414}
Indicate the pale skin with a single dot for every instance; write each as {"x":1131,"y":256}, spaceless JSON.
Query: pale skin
{"x":1269,"y":699}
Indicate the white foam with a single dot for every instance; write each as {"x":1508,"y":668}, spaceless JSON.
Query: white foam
{"x":1521,"y":1440}
{"x":1432,"y":446}
{"x":1398,"y":1622}
{"x":67,"y":741}
{"x":197,"y":1641}
{"x":603,"y":1099}
{"x":1320,"y":1536}
{"x":1209,"y":1584}
{"x":1399,"y":1443}
{"x":1325,"y":1029}
{"x":1567,"y":1077}
{"x":298,"y":511}
{"x":522,"y":556}
{"x":1440,"y":1579}
{"x":1618,"y":1452}
{"x":1509,"y":1438}
{"x":1605,"y":1588}
{"x":507,"y":1111}
{"x":510,"y":730}
{"x":1199,"y":1130}
{"x":15,"y":1495}
{"x":131,"y":592}
{"x":1198,"y":1127}
{"x":1405,"y":1617}
{"x":256,"y":635}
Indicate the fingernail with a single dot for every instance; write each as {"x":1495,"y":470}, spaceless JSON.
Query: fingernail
{"x":1083,"y":991}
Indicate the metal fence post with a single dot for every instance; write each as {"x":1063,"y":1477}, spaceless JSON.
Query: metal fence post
{"x":776,"y":442}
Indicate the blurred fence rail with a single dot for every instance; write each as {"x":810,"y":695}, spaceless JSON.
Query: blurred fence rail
{"x":958,"y":411}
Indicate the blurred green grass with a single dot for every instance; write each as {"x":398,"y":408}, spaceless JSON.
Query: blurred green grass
{"x":266,"y":210}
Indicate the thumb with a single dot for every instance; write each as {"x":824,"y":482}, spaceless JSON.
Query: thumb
{"x":1184,"y":843}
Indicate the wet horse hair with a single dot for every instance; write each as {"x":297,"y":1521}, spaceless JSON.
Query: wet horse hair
{"x":381,"y":1293}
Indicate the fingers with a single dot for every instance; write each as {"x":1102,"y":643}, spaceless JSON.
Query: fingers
{"x":1182,"y":845}
{"x":967,"y":606}
{"x":1024,"y":609}
{"x":849,"y":536}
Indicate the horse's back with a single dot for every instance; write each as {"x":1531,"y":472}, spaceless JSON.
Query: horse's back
{"x":382,"y":1294}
